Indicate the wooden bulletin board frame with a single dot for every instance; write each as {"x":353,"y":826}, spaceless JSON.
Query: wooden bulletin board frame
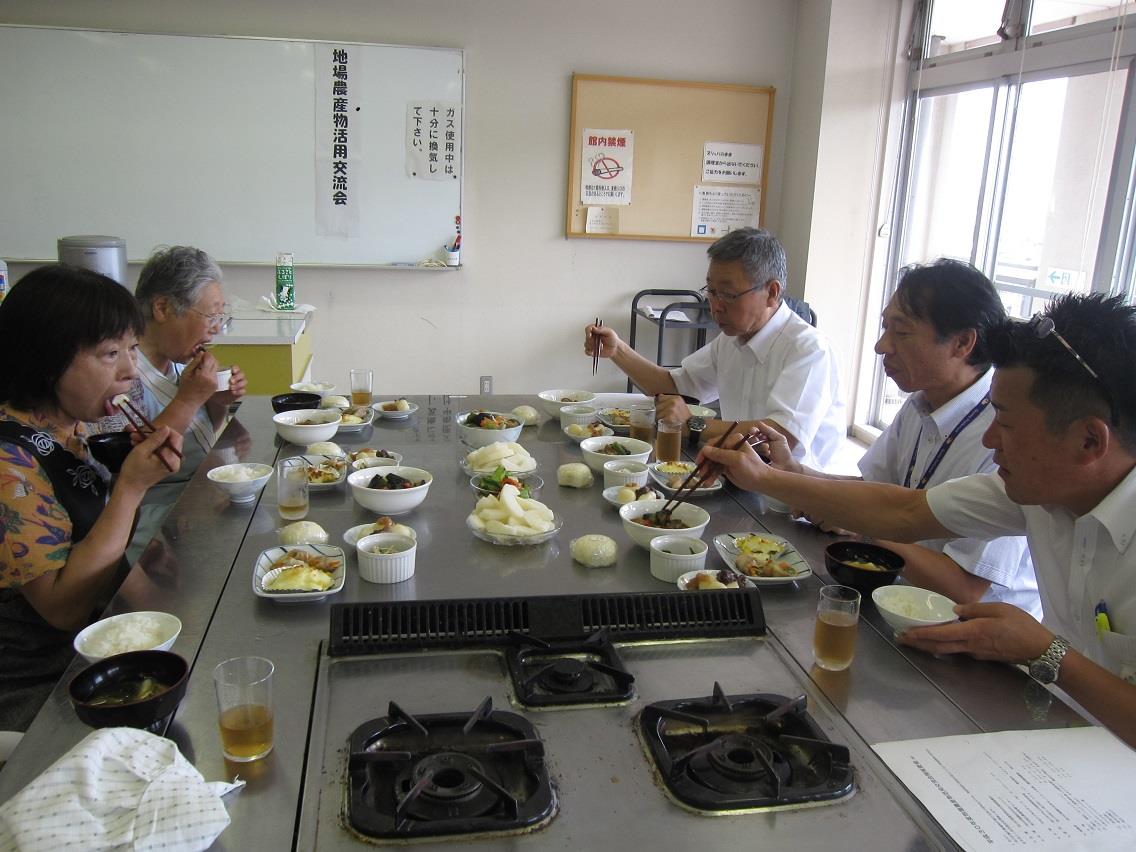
{"x":672,"y":120}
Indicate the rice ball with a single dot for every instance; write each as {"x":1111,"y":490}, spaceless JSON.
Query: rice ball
{"x":335,"y":402}
{"x":574,"y":475}
{"x":303,"y":532}
{"x":594,"y":551}
{"x":324,"y":448}
{"x":527,"y":415}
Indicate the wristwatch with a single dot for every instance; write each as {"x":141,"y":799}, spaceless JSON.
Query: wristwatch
{"x":696,"y":425}
{"x":1044,"y":669}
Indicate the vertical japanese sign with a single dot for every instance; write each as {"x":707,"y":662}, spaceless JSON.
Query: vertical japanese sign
{"x":338,"y":139}
{"x":433,"y":140}
{"x":605,"y":167}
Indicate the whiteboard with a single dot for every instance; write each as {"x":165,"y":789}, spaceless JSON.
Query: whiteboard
{"x":212,"y":141}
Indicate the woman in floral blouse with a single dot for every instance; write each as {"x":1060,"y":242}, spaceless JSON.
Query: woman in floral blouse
{"x":67,"y":338}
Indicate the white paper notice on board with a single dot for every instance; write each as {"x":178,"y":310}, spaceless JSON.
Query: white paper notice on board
{"x":339,"y":140}
{"x":602,"y":220}
{"x":731,"y":162}
{"x":1029,"y":791}
{"x":605,"y":167}
{"x":433,"y":140}
{"x":717,"y":210}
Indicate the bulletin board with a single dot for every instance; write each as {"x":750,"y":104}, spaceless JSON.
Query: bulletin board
{"x":672,"y":125}
{"x":226,"y":143}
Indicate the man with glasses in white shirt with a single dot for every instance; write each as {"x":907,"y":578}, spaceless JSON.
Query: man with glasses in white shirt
{"x":767,"y":363}
{"x":1064,"y":440}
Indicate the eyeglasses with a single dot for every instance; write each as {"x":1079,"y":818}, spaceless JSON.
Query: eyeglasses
{"x":1043,"y":327}
{"x":728,"y":298}
{"x":218,"y":320}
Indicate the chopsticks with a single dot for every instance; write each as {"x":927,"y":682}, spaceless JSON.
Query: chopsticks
{"x":138,"y":420}
{"x":596,"y":348}
{"x":705,"y":469}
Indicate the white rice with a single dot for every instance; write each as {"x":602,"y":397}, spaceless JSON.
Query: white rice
{"x":127,"y":634}
{"x":239,"y":473}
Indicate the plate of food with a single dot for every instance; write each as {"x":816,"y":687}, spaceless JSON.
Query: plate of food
{"x":768,"y":560}
{"x":365,"y":453}
{"x":695,"y":581}
{"x":510,"y":520}
{"x":300,"y":574}
{"x":619,"y":495}
{"x":507,"y":454}
{"x":383,"y":524}
{"x":579,"y":431}
{"x":325,"y":472}
{"x":394,"y":409}
{"x":670,"y":475}
{"x":618,"y":419}
{"x":356,"y":419}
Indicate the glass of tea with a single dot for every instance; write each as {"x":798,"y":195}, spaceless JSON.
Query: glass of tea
{"x":834,"y":639}
{"x":244,"y":702}
{"x":292,"y":488}
{"x":668,"y":440}
{"x":360,"y":387}
{"x":642,"y":421}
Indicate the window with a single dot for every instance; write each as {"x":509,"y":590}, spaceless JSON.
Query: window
{"x":1018,"y":152}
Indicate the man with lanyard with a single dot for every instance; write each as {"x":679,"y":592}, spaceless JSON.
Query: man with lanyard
{"x":934,"y":347}
{"x":1064,"y":440}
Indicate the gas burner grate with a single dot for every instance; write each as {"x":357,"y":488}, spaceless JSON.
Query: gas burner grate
{"x":553,"y":674}
{"x":724,"y":753}
{"x":447,"y":774}
{"x":372,"y":628}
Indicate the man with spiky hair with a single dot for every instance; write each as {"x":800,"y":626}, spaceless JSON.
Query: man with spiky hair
{"x":1064,"y":440}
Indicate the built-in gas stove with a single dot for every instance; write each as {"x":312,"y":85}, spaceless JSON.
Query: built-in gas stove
{"x":739,"y":752}
{"x":447,"y":773}
{"x":492,"y":729}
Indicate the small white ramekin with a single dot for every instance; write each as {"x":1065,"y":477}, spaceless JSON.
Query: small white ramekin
{"x":386,"y":567}
{"x":674,"y":555}
{"x":581,"y":414}
{"x":618,"y":472}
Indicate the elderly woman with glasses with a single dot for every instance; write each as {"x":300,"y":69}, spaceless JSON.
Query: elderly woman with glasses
{"x":179,"y":292}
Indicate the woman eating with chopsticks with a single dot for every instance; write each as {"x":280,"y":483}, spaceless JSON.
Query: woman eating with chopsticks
{"x":179,"y":292}
{"x":67,"y":338}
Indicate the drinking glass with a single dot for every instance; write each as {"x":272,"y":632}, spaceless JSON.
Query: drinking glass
{"x":360,"y":387}
{"x":292,"y":488}
{"x":668,"y":440}
{"x":642,"y":421}
{"x":834,"y":639}
{"x":244,"y":707}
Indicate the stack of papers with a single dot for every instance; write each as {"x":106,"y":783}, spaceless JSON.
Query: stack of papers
{"x":1024,"y":790}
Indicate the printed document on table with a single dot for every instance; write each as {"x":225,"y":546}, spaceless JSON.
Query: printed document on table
{"x":1033,"y":791}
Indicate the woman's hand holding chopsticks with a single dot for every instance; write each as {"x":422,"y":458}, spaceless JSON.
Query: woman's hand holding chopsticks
{"x":155,"y":456}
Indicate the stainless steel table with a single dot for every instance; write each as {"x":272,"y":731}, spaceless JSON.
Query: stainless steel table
{"x":210,"y":548}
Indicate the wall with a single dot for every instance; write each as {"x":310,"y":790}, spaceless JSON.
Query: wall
{"x":855,"y":43}
{"x":517,"y":309}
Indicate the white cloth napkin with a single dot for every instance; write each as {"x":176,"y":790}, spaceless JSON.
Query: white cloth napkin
{"x":118,"y":789}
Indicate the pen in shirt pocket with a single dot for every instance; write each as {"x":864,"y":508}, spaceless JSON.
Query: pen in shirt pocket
{"x":1100,"y":615}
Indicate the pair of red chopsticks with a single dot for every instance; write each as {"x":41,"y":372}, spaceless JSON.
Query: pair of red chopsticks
{"x":596,"y":347}
{"x":138,"y":420}
{"x":704,"y":470}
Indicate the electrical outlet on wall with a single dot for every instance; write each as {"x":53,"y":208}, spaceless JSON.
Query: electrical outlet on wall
{"x":486,"y":385}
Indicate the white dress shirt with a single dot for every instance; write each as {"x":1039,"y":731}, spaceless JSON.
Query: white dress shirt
{"x":786,"y":372}
{"x":1079,"y":561}
{"x":917,"y":430}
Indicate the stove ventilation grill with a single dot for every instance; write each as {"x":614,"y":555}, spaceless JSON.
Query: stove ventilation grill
{"x":370,"y":628}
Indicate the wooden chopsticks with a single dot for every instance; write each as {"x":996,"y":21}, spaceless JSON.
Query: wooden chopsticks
{"x":138,"y":420}
{"x":596,"y":348}
{"x":705,"y":469}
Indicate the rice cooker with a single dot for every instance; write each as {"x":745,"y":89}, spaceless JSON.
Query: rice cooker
{"x":106,"y":255}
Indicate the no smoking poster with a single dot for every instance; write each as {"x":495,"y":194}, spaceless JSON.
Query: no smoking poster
{"x":605,"y":167}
